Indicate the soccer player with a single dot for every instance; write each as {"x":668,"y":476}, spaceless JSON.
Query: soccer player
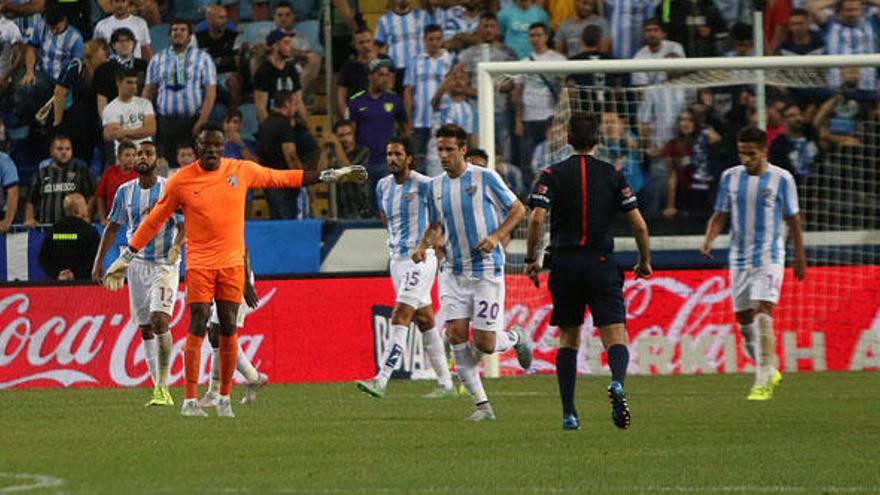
{"x":756,"y":196}
{"x":402,"y":199}
{"x":584,"y":193}
{"x":211,"y":192}
{"x":153,"y":274}
{"x":474,"y":210}
{"x":254,"y":379}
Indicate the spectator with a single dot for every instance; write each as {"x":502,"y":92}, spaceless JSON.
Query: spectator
{"x":743,"y":42}
{"x":697,"y":25}
{"x":459,"y":24}
{"x":776,"y":16}
{"x":113,"y":177}
{"x":52,"y":183}
{"x":76,"y":115}
{"x":591,"y":40}
{"x":795,"y":150}
{"x":345,"y":21}
{"x":477,"y":156}
{"x":219,"y":41}
{"x":78,"y":14}
{"x":123,"y":43}
{"x":535,"y":98}
{"x":775,"y":124}
{"x":277,"y":73}
{"x":852,"y":31}
{"x":400,"y":30}
{"x":689,"y":177}
{"x":353,"y":75}
{"x":569,"y":37}
{"x":619,"y":146}
{"x":254,"y":33}
{"x":123,"y":18}
{"x":8,"y":192}
{"x":659,"y":108}
{"x":306,"y":13}
{"x":801,"y":40}
{"x":340,"y":150}
{"x":128,"y":116}
{"x":10,"y":53}
{"x":511,"y":176}
{"x":69,"y":247}
{"x":25,"y":14}
{"x":184,"y":155}
{"x":52,"y":46}
{"x":183,"y":81}
{"x":515,"y":22}
{"x":278,"y":140}
{"x":236,"y":146}
{"x":488,"y":32}
{"x":375,"y":113}
{"x":627,"y":18}
{"x":304,"y":52}
{"x":424,"y":74}
{"x":839,"y":118}
{"x":452,"y":104}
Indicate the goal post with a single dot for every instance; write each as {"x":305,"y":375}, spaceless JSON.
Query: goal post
{"x":840,"y":201}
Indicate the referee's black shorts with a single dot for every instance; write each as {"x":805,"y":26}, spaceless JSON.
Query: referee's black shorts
{"x":580,"y":278}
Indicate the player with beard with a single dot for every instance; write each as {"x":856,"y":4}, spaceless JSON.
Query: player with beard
{"x":153,"y":274}
{"x":212,"y":192}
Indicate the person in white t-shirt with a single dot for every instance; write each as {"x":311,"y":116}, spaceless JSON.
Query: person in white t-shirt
{"x":535,"y":99}
{"x":122,"y":17}
{"x":128,"y":116}
{"x":10,"y":51}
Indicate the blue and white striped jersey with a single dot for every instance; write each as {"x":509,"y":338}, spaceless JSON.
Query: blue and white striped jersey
{"x":425,"y":74}
{"x":454,"y":20}
{"x":131,"y":205}
{"x":469,"y":208}
{"x":626,"y":18}
{"x":405,"y":206}
{"x":403,"y":34}
{"x":181,"y":79}
{"x":26,"y":23}
{"x":55,"y":51}
{"x":460,"y":113}
{"x":757,"y":205}
{"x":863,"y":38}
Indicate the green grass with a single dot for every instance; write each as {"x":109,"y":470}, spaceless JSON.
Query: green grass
{"x":690,"y":434}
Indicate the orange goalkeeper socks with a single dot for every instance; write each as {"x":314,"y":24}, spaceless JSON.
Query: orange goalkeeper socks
{"x":192,"y":361}
{"x":228,"y":352}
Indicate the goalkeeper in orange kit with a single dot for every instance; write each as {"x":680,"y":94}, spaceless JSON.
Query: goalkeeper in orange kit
{"x":211,"y":192}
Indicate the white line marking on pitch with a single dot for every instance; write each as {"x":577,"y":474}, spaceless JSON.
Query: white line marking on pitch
{"x":29,"y":482}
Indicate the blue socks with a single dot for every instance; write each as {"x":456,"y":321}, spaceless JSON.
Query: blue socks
{"x":618,"y":361}
{"x":566,"y":375}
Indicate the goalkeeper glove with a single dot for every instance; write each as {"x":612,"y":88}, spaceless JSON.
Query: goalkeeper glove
{"x":115,"y":277}
{"x":355,"y":173}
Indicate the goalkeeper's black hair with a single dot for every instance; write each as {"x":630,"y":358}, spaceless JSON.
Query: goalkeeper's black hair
{"x":583,"y":131}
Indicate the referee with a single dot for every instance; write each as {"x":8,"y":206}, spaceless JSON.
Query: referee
{"x":584,"y":193}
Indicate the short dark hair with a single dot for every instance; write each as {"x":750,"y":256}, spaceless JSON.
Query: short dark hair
{"x":741,"y":32}
{"x":123,"y":31}
{"x":752,"y":135}
{"x":60,"y":137}
{"x":800,"y":12}
{"x":279,"y":98}
{"x":282,"y":5}
{"x":432,"y":28}
{"x":654,"y":21}
{"x":184,"y":144}
{"x":489,"y":15}
{"x":342,"y":123}
{"x":536,"y":25}
{"x":125,"y":144}
{"x":403,"y":141}
{"x":185,"y":22}
{"x":124,"y":72}
{"x":54,"y":14}
{"x":583,"y":131}
{"x":477,"y":152}
{"x":232,"y":113}
{"x":592,"y":35}
{"x":213,"y":127}
{"x":453,"y":131}
{"x":362,"y":30}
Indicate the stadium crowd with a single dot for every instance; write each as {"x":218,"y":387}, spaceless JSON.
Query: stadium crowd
{"x":81,"y":80}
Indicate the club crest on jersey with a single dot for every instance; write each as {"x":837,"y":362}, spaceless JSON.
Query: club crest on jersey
{"x":471,"y":190}
{"x":409,"y":196}
{"x":232,"y":180}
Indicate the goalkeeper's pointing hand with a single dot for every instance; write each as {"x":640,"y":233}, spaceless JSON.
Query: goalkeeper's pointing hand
{"x":115,"y":277}
{"x":353,"y":173}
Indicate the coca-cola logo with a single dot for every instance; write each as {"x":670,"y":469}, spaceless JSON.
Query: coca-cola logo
{"x":88,"y":349}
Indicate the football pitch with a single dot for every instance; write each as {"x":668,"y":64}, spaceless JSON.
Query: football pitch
{"x":690,"y":434}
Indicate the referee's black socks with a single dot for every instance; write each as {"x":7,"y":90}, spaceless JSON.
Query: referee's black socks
{"x":566,"y":374}
{"x":618,"y":360}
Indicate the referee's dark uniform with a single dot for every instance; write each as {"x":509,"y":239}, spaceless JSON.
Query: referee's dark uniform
{"x":583,"y":193}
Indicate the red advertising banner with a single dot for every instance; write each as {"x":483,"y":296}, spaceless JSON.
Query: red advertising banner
{"x":312,"y":330}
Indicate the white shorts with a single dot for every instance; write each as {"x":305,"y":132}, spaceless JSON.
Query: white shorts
{"x":243,"y":310}
{"x":413,"y":281}
{"x":478,"y":300}
{"x":748,"y":285}
{"x":152,"y":288}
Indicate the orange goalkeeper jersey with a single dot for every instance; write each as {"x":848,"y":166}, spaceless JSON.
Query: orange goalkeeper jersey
{"x":213,"y":204}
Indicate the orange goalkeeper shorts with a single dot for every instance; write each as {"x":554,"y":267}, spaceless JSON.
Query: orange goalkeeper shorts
{"x":222,"y":284}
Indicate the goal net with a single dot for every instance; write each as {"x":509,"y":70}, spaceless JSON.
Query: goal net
{"x":672,"y":135}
